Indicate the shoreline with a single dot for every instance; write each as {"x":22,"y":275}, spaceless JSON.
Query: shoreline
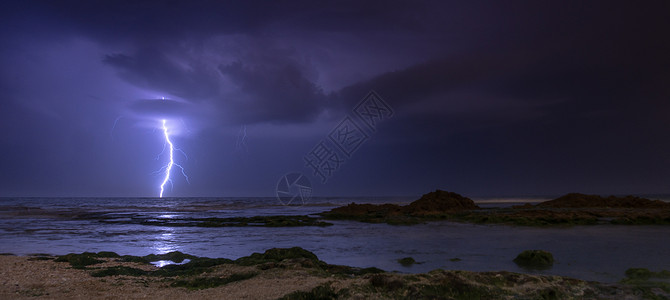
{"x":292,"y":273}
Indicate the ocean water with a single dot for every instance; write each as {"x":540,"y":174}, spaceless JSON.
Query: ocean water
{"x":73,"y":225}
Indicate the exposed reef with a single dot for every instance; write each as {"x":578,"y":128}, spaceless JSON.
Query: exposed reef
{"x":535,"y":259}
{"x":569,"y":210}
{"x":432,"y":206}
{"x":576,"y":200}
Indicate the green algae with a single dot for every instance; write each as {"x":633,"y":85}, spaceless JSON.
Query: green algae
{"x":120,"y":270}
{"x":198,"y":273}
{"x":80,"y":261}
{"x":321,"y":292}
{"x":406,"y":261}
{"x":276,"y":255}
{"x":210,"y":282}
{"x":535,"y":259}
{"x":650,"y":284}
{"x":386,"y":282}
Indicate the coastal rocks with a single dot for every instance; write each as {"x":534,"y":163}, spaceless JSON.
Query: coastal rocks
{"x":569,"y":210}
{"x":407,"y":261}
{"x":576,"y":200}
{"x":652,"y":285}
{"x":535,"y":259}
{"x":275,"y":255}
{"x":220,"y":278}
{"x":439,"y":202}
{"x":356,"y":210}
{"x":433,"y":205}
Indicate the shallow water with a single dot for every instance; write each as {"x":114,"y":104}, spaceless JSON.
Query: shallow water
{"x":65,"y":225}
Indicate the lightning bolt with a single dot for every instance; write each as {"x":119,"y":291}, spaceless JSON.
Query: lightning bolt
{"x":241,"y":141}
{"x":171,"y":163}
{"x":111,"y":132}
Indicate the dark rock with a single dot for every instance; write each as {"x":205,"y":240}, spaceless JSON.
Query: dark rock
{"x":439,"y":202}
{"x":576,"y":200}
{"x":535,"y":259}
{"x":276,"y":255}
{"x":354,"y":209}
{"x":79,"y":261}
{"x":407,"y":261}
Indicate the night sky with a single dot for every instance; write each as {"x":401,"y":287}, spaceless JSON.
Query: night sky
{"x":489,"y":98}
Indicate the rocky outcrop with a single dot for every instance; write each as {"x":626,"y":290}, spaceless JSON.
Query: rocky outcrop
{"x":354,"y":209}
{"x":576,"y":200}
{"x":569,"y":210}
{"x":535,"y":259}
{"x":429,"y":205}
{"x":439,"y":202}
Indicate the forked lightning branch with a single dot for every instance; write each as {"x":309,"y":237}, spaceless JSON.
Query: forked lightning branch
{"x":171,"y":162}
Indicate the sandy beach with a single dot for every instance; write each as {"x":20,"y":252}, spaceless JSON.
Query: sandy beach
{"x":23,"y":278}
{"x":43,"y":277}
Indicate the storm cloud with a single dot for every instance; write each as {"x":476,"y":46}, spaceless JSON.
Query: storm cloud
{"x":490,"y":98}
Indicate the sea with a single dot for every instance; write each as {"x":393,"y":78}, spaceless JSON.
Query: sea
{"x":59,"y":226}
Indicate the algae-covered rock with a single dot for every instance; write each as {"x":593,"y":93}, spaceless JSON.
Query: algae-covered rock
{"x":407,"y":261}
{"x":650,"y":284}
{"x":79,"y":261}
{"x":577,"y":200}
{"x":386,"y":282}
{"x":324,"y":291}
{"x":277,"y":255}
{"x":431,"y":206}
{"x":535,"y":259}
{"x":199,"y":283}
{"x":440,"y":201}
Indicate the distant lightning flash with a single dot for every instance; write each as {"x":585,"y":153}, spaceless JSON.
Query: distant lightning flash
{"x":241,"y":141}
{"x":171,"y":163}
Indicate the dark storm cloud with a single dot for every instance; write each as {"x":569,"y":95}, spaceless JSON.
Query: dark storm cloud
{"x":265,"y":84}
{"x":498,"y":97}
{"x":161,"y":108}
{"x":277,"y":92}
{"x":583,"y":59}
{"x":165,"y":19}
{"x":150,"y":68}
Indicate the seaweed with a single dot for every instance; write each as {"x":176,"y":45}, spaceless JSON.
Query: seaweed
{"x":535,"y":259}
{"x":107,"y":254}
{"x":196,"y":266}
{"x":210,"y":282}
{"x":407,"y":261}
{"x":652,"y":285}
{"x":276,"y":255}
{"x":35,"y":258}
{"x":119,"y":270}
{"x":321,"y":292}
{"x":79,"y":261}
{"x":352,"y":271}
{"x":386,"y":282}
